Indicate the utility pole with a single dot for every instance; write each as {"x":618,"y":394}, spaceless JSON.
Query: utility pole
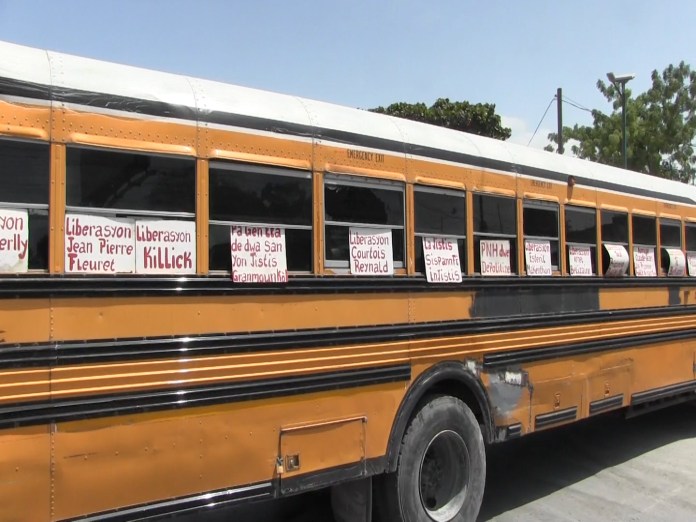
{"x":620,"y":81}
{"x":559,"y":112}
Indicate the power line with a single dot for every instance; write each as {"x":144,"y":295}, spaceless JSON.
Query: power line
{"x":541,"y":120}
{"x":575,"y":104}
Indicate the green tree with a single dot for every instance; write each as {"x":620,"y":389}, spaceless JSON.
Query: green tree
{"x":660,"y":127}
{"x":479,"y":118}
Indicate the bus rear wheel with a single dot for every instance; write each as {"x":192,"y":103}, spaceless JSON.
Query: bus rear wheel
{"x":441,"y":469}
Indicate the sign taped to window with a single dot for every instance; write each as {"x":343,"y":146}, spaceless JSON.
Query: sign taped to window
{"x":258,"y":254}
{"x":371,"y":251}
{"x":618,"y":260}
{"x":580,"y":260}
{"x":537,"y":255}
{"x":691,"y":263}
{"x":99,"y":245}
{"x":14,"y":241}
{"x":644,"y":261}
{"x":495,"y":257}
{"x":165,"y":247}
{"x":442,"y":263}
{"x":677,"y":262}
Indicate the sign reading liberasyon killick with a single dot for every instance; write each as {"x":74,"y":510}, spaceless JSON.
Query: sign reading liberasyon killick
{"x":106,"y":245}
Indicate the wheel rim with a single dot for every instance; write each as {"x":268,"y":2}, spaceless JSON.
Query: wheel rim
{"x":444,"y":476}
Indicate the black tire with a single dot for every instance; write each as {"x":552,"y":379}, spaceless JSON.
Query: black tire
{"x":441,"y":469}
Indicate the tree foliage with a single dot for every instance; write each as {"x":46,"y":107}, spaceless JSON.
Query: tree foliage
{"x":479,"y":118}
{"x":660,"y":127}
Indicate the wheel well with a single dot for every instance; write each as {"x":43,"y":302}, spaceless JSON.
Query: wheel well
{"x":451,"y":378}
{"x":462,"y":392}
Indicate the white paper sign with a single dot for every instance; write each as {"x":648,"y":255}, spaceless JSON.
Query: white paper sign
{"x":644,"y":261}
{"x":442,"y":263}
{"x":537,"y":255}
{"x":258,"y":254}
{"x":371,"y":251}
{"x":14,"y":241}
{"x":677,"y":263}
{"x":495,"y":257}
{"x":165,"y":247}
{"x":580,"y":258}
{"x":691,"y":263}
{"x":99,"y":245}
{"x":618,"y":260}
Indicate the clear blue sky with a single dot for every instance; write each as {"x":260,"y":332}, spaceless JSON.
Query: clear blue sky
{"x":365,"y":53}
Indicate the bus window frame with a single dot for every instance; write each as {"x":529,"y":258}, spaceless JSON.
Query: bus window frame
{"x":594,"y":247}
{"x":271,"y":170}
{"x":42,"y":209}
{"x":458,"y":237}
{"x":351,"y":180}
{"x":547,"y":206}
{"x":477,"y":236}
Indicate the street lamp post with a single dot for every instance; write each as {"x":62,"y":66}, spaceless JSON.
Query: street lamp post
{"x":620,"y":81}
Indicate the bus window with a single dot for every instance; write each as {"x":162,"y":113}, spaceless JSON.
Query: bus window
{"x":439,"y":213}
{"x":690,"y":237}
{"x":129,"y":212}
{"x":350,"y":201}
{"x":24,"y":180}
{"x":670,"y":238}
{"x":644,"y":245}
{"x":495,"y":221}
{"x":128,"y":183}
{"x":540,"y":223}
{"x":258,"y":195}
{"x":614,"y":242}
{"x":581,"y":240}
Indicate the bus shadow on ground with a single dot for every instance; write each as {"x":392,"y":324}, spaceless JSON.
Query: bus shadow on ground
{"x":533,"y":467}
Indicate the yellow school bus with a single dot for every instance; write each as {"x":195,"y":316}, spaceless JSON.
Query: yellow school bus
{"x":213,"y":295}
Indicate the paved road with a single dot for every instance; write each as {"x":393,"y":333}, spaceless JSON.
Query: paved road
{"x":607,"y":468}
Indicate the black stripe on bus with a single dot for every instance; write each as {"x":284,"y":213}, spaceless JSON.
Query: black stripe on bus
{"x":96,"y":406}
{"x":545,"y":420}
{"x":610,"y":403}
{"x":67,"y":353}
{"x":209,"y":501}
{"x":43,"y":286}
{"x":519,"y":357}
{"x":21,"y":88}
{"x":666,"y":392}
